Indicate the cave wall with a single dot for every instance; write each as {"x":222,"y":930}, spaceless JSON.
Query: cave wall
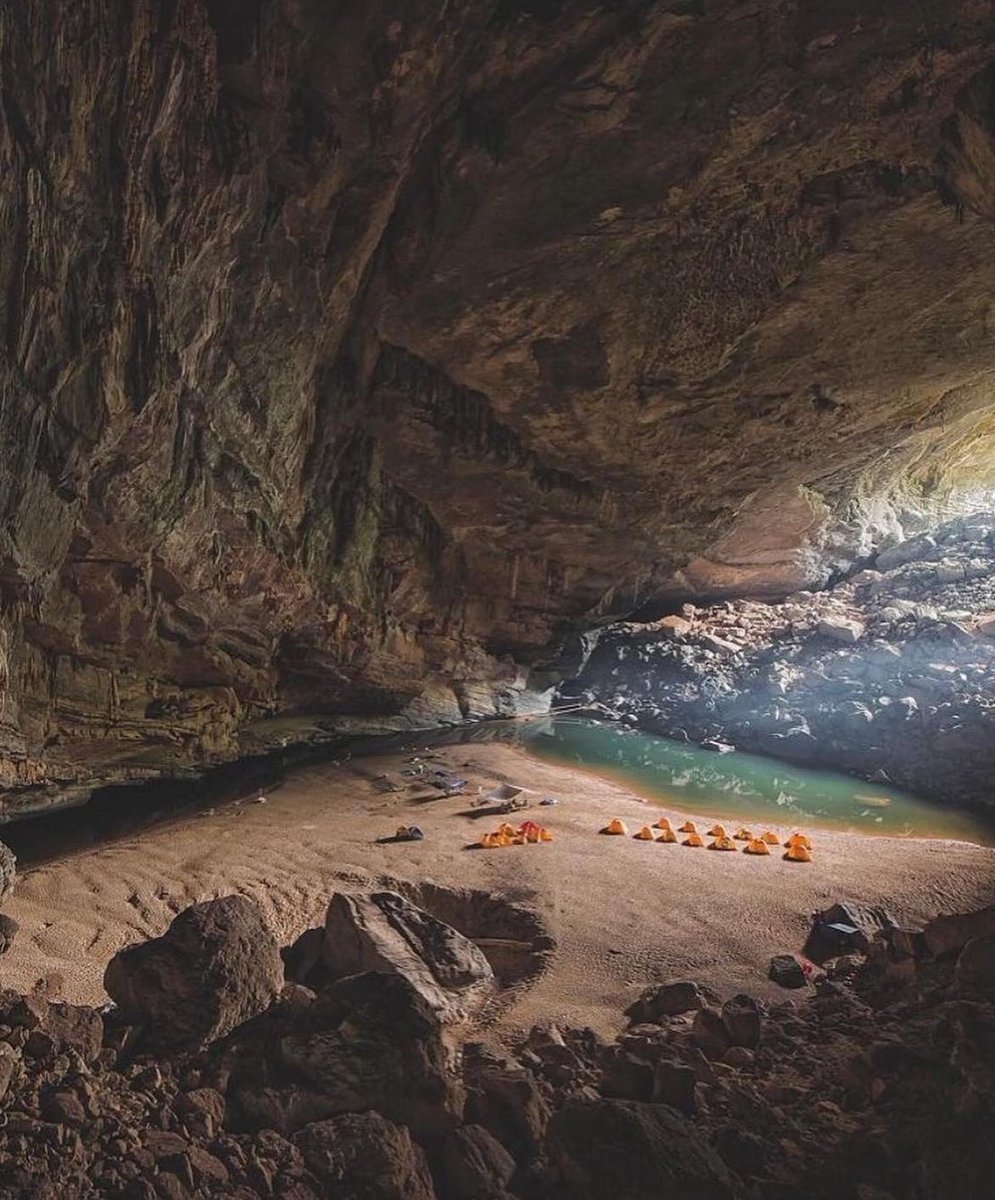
{"x":352,"y":355}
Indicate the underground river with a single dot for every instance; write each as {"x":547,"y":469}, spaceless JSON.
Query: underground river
{"x":743,"y":787}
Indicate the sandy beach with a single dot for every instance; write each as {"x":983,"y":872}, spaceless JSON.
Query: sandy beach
{"x":623,"y":913}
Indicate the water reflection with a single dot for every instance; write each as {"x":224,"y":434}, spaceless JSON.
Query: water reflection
{"x":741,"y":786}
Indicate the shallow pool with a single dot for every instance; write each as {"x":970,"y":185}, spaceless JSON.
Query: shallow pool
{"x":737,"y":786}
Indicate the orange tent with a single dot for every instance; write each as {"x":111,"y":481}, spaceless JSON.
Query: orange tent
{"x":663,"y":823}
{"x":693,"y":839}
{"x":616,"y":827}
{"x":688,"y":827}
{"x":668,"y":835}
{"x":797,"y":854}
{"x":723,"y":843}
{"x":799,"y":839}
{"x":757,"y":846}
{"x":771,"y":838}
{"x":717,"y":831}
{"x":743,"y":835}
{"x":645,"y":834}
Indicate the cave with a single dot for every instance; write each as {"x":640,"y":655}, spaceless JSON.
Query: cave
{"x":457,"y":459}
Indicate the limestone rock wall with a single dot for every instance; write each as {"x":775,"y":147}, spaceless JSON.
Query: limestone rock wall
{"x":351,"y":355}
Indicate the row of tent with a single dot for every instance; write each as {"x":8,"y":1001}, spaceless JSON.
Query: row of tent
{"x":797,"y":848}
{"x":528,"y":833}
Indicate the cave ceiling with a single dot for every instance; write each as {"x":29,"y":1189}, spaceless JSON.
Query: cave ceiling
{"x":355,"y":355}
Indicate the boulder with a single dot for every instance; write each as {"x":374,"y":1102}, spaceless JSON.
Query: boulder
{"x":216,"y":966}
{"x":744,"y":1152}
{"x":673,"y":1084}
{"x":474,"y":1165}
{"x":674,"y":627}
{"x":365,"y":1157}
{"x":303,"y":958}
{"x":709,"y":1033}
{"x":786,"y":971}
{"x":976,"y":966}
{"x":917,"y":549}
{"x":950,"y":934}
{"x":841,"y":629}
{"x":796,"y":745}
{"x":666,"y":1000}
{"x":9,"y":1066}
{"x":8,"y":931}
{"x":627,"y":1077}
{"x":373,"y":1041}
{"x":8,"y":871}
{"x":381,"y":931}
{"x":630,"y":1151}
{"x":505,"y":1098}
{"x":741,"y":1017}
{"x":719,"y":645}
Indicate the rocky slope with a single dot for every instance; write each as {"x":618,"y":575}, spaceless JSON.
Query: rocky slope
{"x":216,"y":1079}
{"x":353,"y":354}
{"x":889,"y":675}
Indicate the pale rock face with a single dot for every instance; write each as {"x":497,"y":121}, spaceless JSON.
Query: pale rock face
{"x":841,"y":629}
{"x":354,"y":356}
{"x":381,"y":931}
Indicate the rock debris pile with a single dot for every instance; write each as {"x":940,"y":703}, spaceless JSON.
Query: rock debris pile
{"x":870,"y":1086}
{"x":889,"y":675}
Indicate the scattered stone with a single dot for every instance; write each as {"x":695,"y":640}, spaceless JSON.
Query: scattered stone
{"x":674,"y":1084}
{"x":709,"y":1033}
{"x":742,"y":1018}
{"x":627,"y":1077}
{"x":718,"y":645}
{"x":666,"y":1000}
{"x":739,"y":1057}
{"x":64,"y":1108}
{"x":786,"y":971}
{"x":8,"y":931}
{"x":216,"y":966}
{"x":841,"y":629}
{"x":717,"y":747}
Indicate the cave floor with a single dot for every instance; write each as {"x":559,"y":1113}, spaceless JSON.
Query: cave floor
{"x":624,"y":913}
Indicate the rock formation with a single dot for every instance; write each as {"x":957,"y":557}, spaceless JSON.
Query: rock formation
{"x":382,"y":931}
{"x":890,"y":674}
{"x":875,"y":1081}
{"x":216,"y":966}
{"x":353,"y":356}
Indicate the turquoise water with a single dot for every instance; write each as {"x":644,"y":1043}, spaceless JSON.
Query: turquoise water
{"x":739,"y":787}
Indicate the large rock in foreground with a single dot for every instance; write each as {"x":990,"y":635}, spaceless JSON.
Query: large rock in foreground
{"x":631,"y":1151}
{"x":381,"y":931}
{"x":216,"y":966}
{"x":373,"y":1042}
{"x":365,"y":1157}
